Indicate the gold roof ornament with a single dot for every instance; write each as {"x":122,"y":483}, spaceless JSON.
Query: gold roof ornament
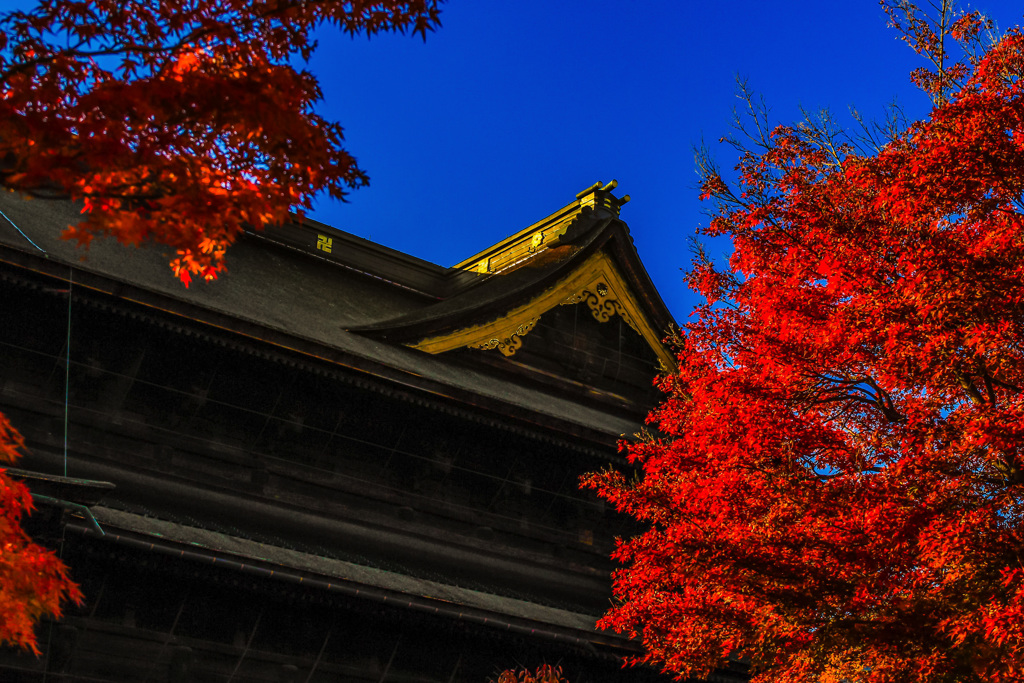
{"x":580,"y":254}
{"x":596,"y":282}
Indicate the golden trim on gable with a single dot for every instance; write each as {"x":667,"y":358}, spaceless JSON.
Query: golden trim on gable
{"x":603,"y":304}
{"x":596,"y":282}
{"x":508,"y":342}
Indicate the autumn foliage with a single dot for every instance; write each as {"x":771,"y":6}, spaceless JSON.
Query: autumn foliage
{"x":178,"y":121}
{"x":834,"y":486}
{"x":33,"y":581}
{"x":545,"y":673}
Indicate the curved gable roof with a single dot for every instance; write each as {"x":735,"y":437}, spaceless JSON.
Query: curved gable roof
{"x":581,"y":254}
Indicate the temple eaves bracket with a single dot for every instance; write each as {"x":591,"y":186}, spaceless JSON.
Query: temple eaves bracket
{"x":510,"y":342}
{"x":595,"y":282}
{"x":599,"y":299}
{"x":602,"y":303}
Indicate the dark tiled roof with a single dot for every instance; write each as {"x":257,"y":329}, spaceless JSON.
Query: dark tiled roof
{"x":293,"y":296}
{"x":493,"y":295}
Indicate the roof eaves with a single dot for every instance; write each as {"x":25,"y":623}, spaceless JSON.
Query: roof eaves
{"x":341,"y":576}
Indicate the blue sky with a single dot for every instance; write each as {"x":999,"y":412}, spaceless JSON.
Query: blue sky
{"x":513,"y":107}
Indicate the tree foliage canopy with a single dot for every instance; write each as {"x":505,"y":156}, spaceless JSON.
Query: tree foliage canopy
{"x":834,"y":485}
{"x":178,"y":121}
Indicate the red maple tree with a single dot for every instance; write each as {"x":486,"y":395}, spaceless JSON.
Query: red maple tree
{"x":33,"y":581}
{"x":180,"y":122}
{"x":834,"y":486}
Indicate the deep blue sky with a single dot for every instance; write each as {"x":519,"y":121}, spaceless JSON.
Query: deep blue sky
{"x":513,"y":107}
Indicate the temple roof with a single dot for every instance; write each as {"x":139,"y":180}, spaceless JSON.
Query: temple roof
{"x":510,"y":337}
{"x":582,"y":250}
{"x":309,"y":288}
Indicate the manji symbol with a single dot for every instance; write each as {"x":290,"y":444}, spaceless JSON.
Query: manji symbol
{"x":324,"y":243}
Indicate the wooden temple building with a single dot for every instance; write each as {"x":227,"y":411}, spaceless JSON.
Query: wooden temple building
{"x":336,"y":463}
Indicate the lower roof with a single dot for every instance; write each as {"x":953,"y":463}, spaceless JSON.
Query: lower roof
{"x":272,"y":561}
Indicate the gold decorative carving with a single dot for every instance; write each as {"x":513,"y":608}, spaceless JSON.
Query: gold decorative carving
{"x":602,"y":303}
{"x":511,"y":343}
{"x":596,"y":282}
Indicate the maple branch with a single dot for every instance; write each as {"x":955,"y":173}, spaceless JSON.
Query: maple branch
{"x":989,"y":392}
{"x":232,"y":27}
{"x":756,"y":112}
{"x":941,"y":57}
{"x":1010,"y":469}
{"x":820,"y":476}
{"x":989,"y":377}
{"x":874,"y":136}
{"x":822,"y":130}
{"x":968,"y":386}
{"x":122,"y":48}
{"x":828,"y":388}
{"x":884,"y":402}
